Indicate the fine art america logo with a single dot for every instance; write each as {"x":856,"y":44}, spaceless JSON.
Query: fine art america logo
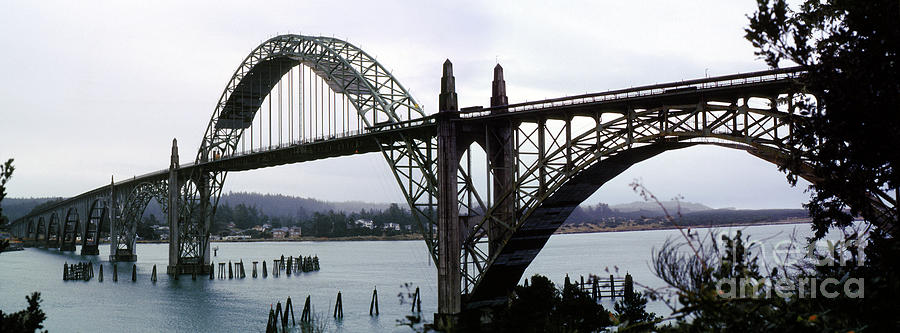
{"x":786,"y":254}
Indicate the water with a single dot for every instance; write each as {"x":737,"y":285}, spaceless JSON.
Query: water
{"x":352,"y":267}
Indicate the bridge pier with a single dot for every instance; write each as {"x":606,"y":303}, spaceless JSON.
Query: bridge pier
{"x":449,"y":236}
{"x":499,"y":146}
{"x":188,"y":254}
{"x":90,"y":250}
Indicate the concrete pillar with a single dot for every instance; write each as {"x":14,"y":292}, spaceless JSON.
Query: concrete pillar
{"x":449,"y":245}
{"x":499,"y":149}
{"x":113,"y":221}
{"x":173,"y":210}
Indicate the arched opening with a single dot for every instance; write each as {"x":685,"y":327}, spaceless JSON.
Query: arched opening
{"x":124,"y":234}
{"x":53,"y":231}
{"x":70,"y":230}
{"x":29,"y":232}
{"x":40,"y":233}
{"x":90,"y":241}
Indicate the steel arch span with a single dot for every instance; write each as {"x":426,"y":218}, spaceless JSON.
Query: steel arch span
{"x":542,"y":159}
{"x":377,"y":97}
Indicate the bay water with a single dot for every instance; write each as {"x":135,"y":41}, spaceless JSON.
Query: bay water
{"x":353,"y":268}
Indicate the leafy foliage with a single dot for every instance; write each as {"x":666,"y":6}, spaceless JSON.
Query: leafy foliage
{"x":27,"y":320}
{"x":541,"y":307}
{"x":6,"y":171}
{"x":849,"y":50}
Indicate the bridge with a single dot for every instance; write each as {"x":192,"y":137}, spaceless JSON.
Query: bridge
{"x":488,"y":185}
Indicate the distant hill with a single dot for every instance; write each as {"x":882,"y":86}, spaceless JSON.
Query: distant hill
{"x":15,"y":208}
{"x":290,"y":206}
{"x":672,"y":206}
{"x":270,"y":204}
{"x":277,"y":205}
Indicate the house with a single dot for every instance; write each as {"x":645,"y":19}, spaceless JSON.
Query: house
{"x":280,"y":233}
{"x":363,"y":223}
{"x":259,"y":228}
{"x":391,"y":226}
{"x":295,"y":232}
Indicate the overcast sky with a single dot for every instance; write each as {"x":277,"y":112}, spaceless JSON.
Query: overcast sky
{"x":93,"y":89}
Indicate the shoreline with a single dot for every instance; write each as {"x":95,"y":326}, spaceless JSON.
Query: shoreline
{"x":586,"y":228}
{"x":594,"y":228}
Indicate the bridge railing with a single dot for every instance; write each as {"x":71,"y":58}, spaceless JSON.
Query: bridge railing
{"x":378,"y":128}
{"x":643,"y":91}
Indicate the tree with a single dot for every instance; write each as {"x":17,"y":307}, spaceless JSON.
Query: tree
{"x":849,"y":50}
{"x":6,"y":171}
{"x":27,"y":320}
{"x":541,"y":307}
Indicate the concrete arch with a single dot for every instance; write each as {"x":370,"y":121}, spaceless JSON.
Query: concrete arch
{"x":71,"y":227}
{"x":40,"y":231}
{"x":54,"y":231}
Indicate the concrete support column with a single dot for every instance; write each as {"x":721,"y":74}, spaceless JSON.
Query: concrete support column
{"x":113,"y":221}
{"x":449,"y":245}
{"x":500,"y":145}
{"x":173,"y":210}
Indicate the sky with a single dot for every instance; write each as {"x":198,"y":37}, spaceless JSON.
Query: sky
{"x":95,"y":89}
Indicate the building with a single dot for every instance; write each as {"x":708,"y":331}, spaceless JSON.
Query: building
{"x":363,"y":223}
{"x":391,"y":226}
{"x":295,"y":232}
{"x":280,"y":233}
{"x":236,"y":237}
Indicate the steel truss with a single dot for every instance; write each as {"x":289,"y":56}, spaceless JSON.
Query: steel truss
{"x":127,"y":213}
{"x":381,"y":102}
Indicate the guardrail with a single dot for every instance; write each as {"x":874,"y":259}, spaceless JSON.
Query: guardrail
{"x":643,"y":91}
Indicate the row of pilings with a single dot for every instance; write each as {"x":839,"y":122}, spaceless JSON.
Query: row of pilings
{"x":84,"y":271}
{"x":282,"y":318}
{"x":285,"y":265}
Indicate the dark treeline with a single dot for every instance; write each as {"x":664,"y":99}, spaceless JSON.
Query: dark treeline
{"x":320,"y":224}
{"x":602,"y":214}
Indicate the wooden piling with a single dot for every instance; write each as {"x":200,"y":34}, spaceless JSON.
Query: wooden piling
{"x":254,"y":268}
{"x":230,"y":273}
{"x":243,"y":275}
{"x":290,"y":264}
{"x":270,"y":324}
{"x":374,"y":303}
{"x":612,"y":287}
{"x":306,"y":316}
{"x":100,"y":274}
{"x":265,"y":273}
{"x":288,"y":306}
{"x":338,"y":307}
{"x":153,"y":275}
{"x":416,"y":301}
{"x":133,"y":272}
{"x":212,"y":271}
{"x":66,"y":271}
{"x":115,"y":272}
{"x":629,"y":287}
